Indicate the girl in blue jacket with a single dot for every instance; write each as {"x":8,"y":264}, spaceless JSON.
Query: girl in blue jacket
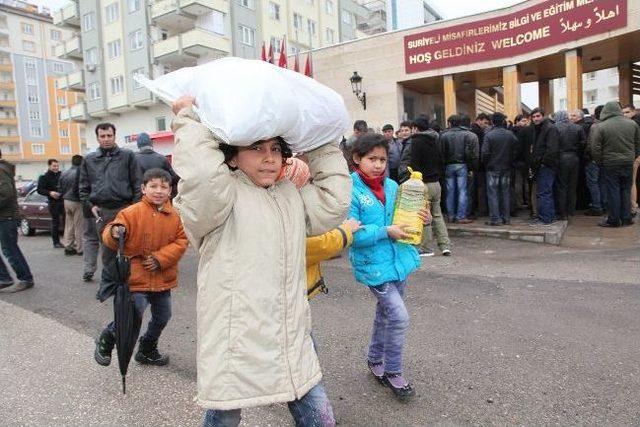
{"x":380,"y":262}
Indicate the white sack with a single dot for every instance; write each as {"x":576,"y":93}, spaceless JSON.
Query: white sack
{"x":243,"y":101}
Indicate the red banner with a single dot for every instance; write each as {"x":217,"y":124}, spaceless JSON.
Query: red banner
{"x":537,"y":27}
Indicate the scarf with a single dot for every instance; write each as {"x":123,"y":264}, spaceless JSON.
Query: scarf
{"x":375,"y":184}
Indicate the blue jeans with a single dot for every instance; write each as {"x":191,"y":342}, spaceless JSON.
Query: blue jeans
{"x":312,"y":410}
{"x":595,"y":184}
{"x":546,"y":207}
{"x":456,"y":179}
{"x":498,"y":194}
{"x":618,"y":182}
{"x":11,"y":250}
{"x":389,"y":326}
{"x":160,"y":313}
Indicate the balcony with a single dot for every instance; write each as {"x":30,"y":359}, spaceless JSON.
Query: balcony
{"x":70,"y":49}
{"x":9,"y":121}
{"x":73,"y":81}
{"x":184,"y":49}
{"x":7,"y":85}
{"x":11,"y":103}
{"x":180,"y":15}
{"x":68,"y":16}
{"x":76,"y":113}
{"x":9,"y":139}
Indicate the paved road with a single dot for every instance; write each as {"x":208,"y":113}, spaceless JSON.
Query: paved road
{"x":502,"y":333}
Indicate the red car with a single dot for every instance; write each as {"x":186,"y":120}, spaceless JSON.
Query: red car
{"x":35,"y":214}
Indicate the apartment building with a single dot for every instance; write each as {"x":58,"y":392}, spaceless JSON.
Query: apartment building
{"x":391,"y":15}
{"x":32,"y":129}
{"x":598,"y":88}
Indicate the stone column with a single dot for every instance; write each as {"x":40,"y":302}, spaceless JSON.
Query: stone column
{"x":511,"y":88}
{"x":625,"y":83}
{"x":449,"y":90}
{"x":573,"y":72}
{"x":545,"y":98}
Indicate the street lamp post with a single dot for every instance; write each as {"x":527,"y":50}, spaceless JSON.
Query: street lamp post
{"x":356,"y":88}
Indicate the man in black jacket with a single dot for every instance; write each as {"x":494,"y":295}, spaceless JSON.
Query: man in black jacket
{"x":498,"y":151}
{"x":424,"y":155}
{"x":476,"y":181}
{"x":147,"y":159}
{"x":69,"y":187}
{"x":460,"y":153}
{"x":48,"y":186}
{"x":545,"y":163}
{"x":109,"y":181}
{"x":9,"y":233}
{"x":572,"y":142}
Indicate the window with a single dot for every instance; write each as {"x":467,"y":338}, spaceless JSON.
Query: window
{"x":311,"y":27}
{"x":37,"y":149}
{"x":35,"y":129}
{"x":274,"y":11}
{"x":277,"y":44}
{"x":65,"y":149}
{"x":346,"y":16}
{"x":32,"y":94}
{"x":139,"y":71}
{"x":294,"y":50}
{"x":136,"y":40}
{"x":247,"y":3}
{"x":58,"y":67}
{"x":61,"y":100}
{"x":88,"y":21}
{"x":215,"y":22}
{"x":28,"y":46}
{"x":329,"y":35}
{"x":117,"y":85}
{"x":27,"y":28}
{"x":34,"y":115}
{"x":64,"y":133}
{"x":563,"y":104}
{"x":297,"y":21}
{"x":161,"y":123}
{"x":247,"y":35}
{"x":590,"y":76}
{"x":591,"y":96}
{"x":328,"y":7}
{"x":55,"y":35}
{"x":30,"y":71}
{"x":114,"y":48}
{"x":94,"y":91}
{"x":113,"y":13}
{"x":91,"y":56}
{"x":134,"y":6}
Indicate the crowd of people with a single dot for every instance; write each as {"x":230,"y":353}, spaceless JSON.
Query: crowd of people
{"x":550,"y":165}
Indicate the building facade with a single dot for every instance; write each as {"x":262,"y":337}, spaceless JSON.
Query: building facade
{"x":32,"y":128}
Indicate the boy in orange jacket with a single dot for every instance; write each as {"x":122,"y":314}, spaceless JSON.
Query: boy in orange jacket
{"x":154,"y":241}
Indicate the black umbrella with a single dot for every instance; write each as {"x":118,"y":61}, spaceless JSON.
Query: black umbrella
{"x":126,"y":317}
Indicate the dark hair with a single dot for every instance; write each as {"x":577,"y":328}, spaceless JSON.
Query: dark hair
{"x":537,"y":110}
{"x":435,"y":125}
{"x":387,"y":127}
{"x":597,"y":111}
{"x":454,"y":120}
{"x":483,"y":116}
{"x":465,"y":120}
{"x":106,"y":126}
{"x":230,"y":151}
{"x":498,"y":119}
{"x":156,"y":173}
{"x":406,"y":123}
{"x":366,"y":143}
{"x":50,"y":161}
{"x":422,"y":123}
{"x":76,"y":160}
{"x":518,"y":118}
{"x":360,"y":125}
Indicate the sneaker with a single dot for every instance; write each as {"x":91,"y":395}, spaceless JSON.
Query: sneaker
{"x":6,"y":284}
{"x":70,"y":251}
{"x":446,"y":252}
{"x":400,"y":387}
{"x":148,"y":354}
{"x":19,"y":287}
{"x":58,"y":245}
{"x":628,"y":223}
{"x":87,"y":277}
{"x":465,"y":221}
{"x":104,"y":347}
{"x":506,"y":221}
{"x":423,"y":253}
{"x":377,"y":369}
{"x":606,"y":223}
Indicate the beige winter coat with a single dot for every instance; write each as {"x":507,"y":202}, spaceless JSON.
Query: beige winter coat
{"x":254,"y":346}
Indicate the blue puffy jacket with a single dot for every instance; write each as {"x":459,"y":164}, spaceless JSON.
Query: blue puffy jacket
{"x":377,"y":259}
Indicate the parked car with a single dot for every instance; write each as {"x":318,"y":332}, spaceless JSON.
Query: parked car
{"x":23,"y":187}
{"x":35,"y":214}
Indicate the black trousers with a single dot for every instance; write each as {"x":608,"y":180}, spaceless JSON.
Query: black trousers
{"x":56,"y":210}
{"x":617,"y":180}
{"x":567,"y":184}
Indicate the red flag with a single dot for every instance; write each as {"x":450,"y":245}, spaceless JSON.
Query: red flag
{"x":270,"y":58}
{"x":296,"y":64}
{"x":308,"y":68}
{"x":283,"y":55}
{"x":264,"y":53}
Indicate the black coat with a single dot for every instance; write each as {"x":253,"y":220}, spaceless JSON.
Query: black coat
{"x":498,"y":149}
{"x":572,"y":138}
{"x":423,"y":154}
{"x":545,"y":149}
{"x":110,"y":179}
{"x":8,"y":193}
{"x":47,"y":183}
{"x":69,"y":184}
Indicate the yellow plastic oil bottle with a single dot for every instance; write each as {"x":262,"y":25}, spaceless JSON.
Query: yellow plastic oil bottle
{"x":410,"y":199}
